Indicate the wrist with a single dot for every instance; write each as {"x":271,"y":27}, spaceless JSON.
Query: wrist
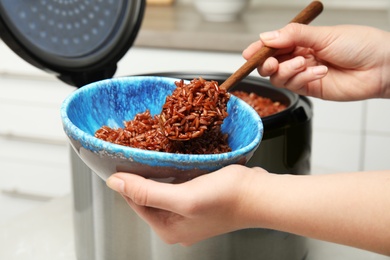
{"x":260,"y":199}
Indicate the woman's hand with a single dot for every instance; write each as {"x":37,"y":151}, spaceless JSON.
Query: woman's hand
{"x":346,"y":208}
{"x":186,"y":213}
{"x":338,"y":63}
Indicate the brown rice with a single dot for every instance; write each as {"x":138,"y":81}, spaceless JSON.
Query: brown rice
{"x":264,"y":106}
{"x":195,"y":110}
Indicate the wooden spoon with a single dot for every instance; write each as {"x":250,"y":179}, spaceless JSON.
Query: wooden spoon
{"x":307,"y":15}
{"x":304,"y":17}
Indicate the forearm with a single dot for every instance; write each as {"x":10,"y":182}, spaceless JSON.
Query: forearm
{"x":349,"y":208}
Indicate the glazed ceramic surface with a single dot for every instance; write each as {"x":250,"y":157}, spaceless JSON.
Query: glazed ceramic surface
{"x":110,"y":102}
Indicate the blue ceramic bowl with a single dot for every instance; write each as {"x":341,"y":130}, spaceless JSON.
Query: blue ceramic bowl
{"x":110,"y":102}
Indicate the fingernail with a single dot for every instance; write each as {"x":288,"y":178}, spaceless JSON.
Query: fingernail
{"x":116,"y":184}
{"x":268,"y":36}
{"x":320,"y":70}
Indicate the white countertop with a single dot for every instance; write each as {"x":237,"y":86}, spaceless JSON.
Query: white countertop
{"x":46,"y":233}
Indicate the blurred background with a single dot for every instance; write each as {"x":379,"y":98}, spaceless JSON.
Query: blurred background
{"x":34,"y":154}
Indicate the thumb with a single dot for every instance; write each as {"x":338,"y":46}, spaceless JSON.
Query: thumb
{"x":295,"y":34}
{"x":145,"y":192}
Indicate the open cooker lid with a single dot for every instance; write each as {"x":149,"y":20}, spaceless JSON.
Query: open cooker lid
{"x":80,"y":41}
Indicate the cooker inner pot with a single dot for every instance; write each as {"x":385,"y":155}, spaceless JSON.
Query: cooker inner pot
{"x":260,"y":86}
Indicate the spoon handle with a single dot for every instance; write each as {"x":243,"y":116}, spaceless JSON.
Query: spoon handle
{"x":304,"y":17}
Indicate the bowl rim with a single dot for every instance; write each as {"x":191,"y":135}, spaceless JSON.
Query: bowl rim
{"x":100,"y":146}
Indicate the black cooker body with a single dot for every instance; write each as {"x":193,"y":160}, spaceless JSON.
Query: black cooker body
{"x":286,"y":145}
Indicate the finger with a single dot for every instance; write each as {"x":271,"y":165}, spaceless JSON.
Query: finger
{"x":151,"y":215}
{"x":145,"y":192}
{"x":256,"y":46}
{"x":252,"y":49}
{"x":295,"y":34}
{"x":269,"y":67}
{"x":287,"y":70}
{"x":300,"y":82}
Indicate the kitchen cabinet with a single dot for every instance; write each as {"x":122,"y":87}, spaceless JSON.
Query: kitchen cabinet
{"x":33,"y":153}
